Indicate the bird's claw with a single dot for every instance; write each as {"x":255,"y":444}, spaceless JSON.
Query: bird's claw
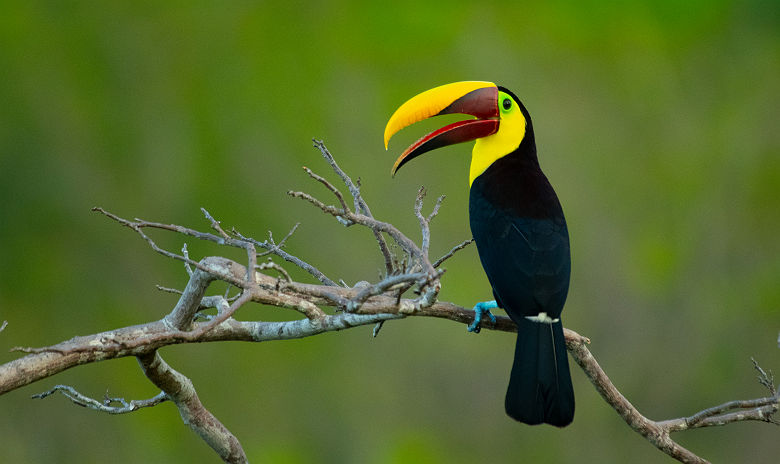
{"x":481,"y":309}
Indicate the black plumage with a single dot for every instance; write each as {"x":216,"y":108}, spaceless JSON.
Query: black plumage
{"x":520,"y":231}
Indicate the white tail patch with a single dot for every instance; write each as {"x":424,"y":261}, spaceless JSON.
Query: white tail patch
{"x":542,"y":318}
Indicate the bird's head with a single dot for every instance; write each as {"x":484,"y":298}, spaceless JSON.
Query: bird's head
{"x":500,"y":123}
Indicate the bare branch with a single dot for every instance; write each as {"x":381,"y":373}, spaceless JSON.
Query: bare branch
{"x":360,"y":205}
{"x":764,"y":378}
{"x":186,"y":254}
{"x":241,"y":242}
{"x":432,"y":286}
{"x":699,"y":419}
{"x":762,"y":414}
{"x":215,"y":224}
{"x":355,"y":218}
{"x":380,"y":287}
{"x":222,"y":316}
{"x":760,"y":409}
{"x":332,"y":210}
{"x":281,"y":242}
{"x":272,"y":265}
{"x":106,"y":404}
{"x":354,"y":190}
{"x":180,"y":390}
{"x":168,"y":290}
{"x":329,"y":186}
{"x":652,"y":431}
{"x":375,"y":309}
{"x":138,"y":225}
{"x":276,"y":249}
{"x":657,"y":433}
{"x":183,"y":313}
{"x":436,"y":207}
{"x":141,"y":339}
{"x":247,"y":245}
{"x":424,"y":223}
{"x":454,"y":250}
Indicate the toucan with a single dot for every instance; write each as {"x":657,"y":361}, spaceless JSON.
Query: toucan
{"x":518,"y":226}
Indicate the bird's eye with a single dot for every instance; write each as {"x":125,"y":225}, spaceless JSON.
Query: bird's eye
{"x":507,"y":103}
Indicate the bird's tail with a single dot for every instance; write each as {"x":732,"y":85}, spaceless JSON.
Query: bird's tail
{"x":540,"y":387}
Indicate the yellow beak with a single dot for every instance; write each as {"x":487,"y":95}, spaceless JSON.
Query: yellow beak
{"x":479,"y":99}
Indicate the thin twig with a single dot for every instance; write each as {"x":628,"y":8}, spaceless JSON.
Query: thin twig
{"x":215,"y":224}
{"x":272,"y":265}
{"x":454,"y":250}
{"x":169,"y":290}
{"x":106,"y":404}
{"x":696,"y":419}
{"x":424,"y":224}
{"x":186,"y":253}
{"x":401,"y":239}
{"x":275,"y":246}
{"x":276,"y":249}
{"x":354,"y":190}
{"x":425,"y":221}
{"x":764,"y":378}
{"x":139,"y":224}
{"x":433,"y":285}
{"x":436,"y":207}
{"x":360,"y":205}
{"x":329,"y":186}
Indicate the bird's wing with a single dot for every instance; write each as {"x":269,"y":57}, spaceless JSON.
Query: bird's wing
{"x":527,"y":262}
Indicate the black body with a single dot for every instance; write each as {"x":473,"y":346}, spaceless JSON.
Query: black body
{"x":520,"y":231}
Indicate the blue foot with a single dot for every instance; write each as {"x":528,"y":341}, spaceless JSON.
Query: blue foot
{"x":481,"y":309}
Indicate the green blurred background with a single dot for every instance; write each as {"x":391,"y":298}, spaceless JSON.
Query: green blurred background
{"x":656,"y":122}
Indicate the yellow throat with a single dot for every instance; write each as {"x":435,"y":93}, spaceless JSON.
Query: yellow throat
{"x":488,"y":150}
